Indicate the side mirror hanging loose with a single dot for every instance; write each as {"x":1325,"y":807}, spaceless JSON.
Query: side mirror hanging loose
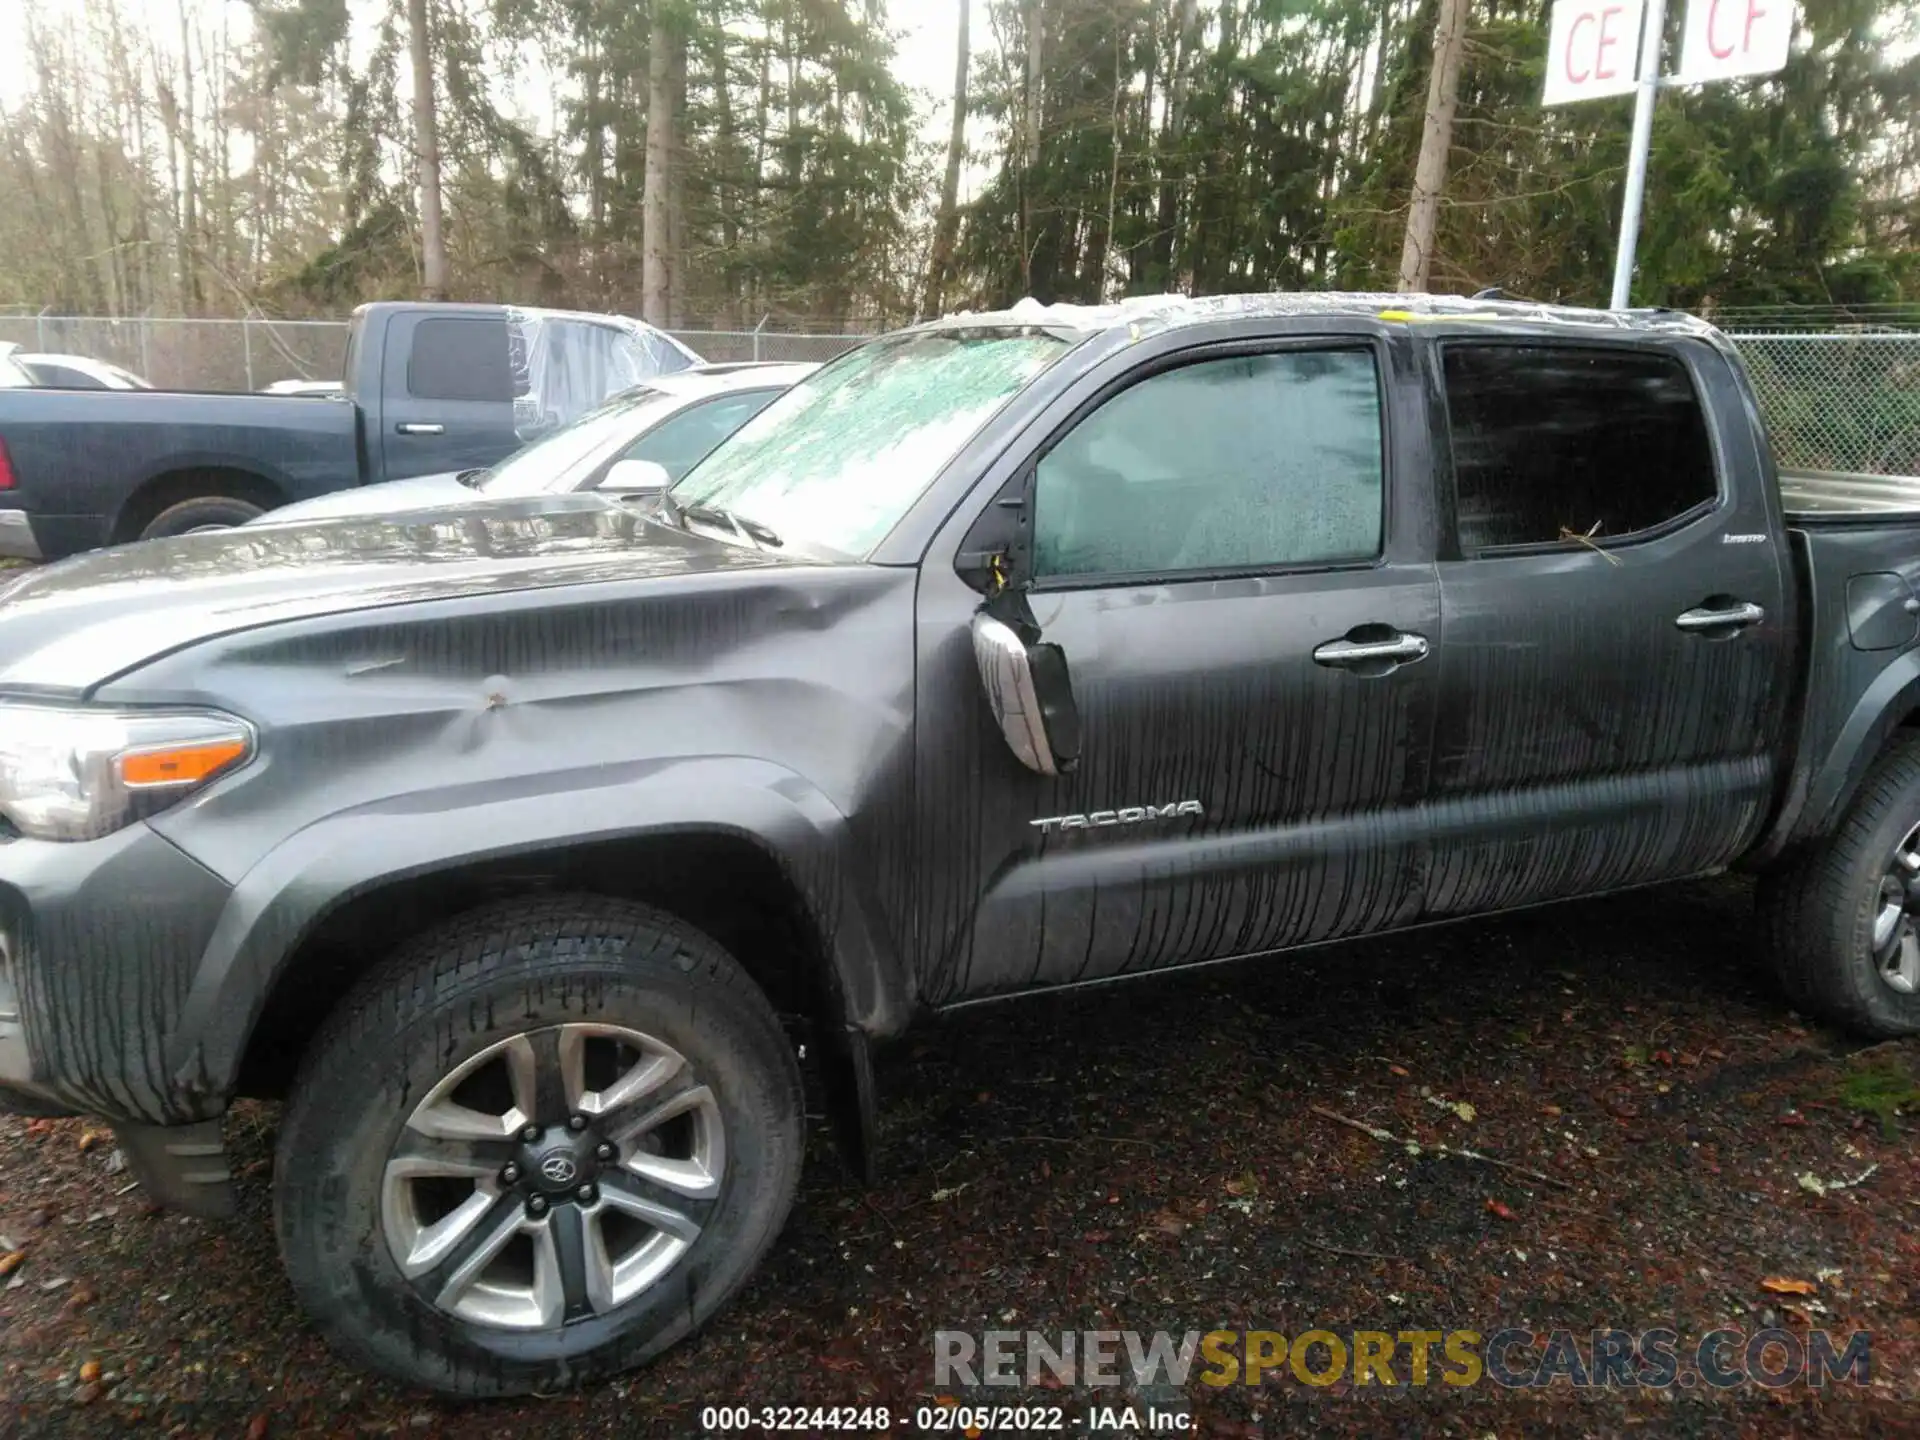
{"x":1031,"y":696}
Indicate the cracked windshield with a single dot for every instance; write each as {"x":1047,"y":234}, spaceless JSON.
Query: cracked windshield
{"x":840,"y":458}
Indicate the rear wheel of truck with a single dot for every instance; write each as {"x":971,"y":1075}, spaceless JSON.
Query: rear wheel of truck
{"x":1844,"y":921}
{"x":207,"y":512}
{"x":537,"y":1147}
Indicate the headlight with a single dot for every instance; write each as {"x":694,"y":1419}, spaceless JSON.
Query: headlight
{"x":77,"y":774}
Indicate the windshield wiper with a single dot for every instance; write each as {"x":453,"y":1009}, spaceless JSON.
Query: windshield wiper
{"x":752,"y":531}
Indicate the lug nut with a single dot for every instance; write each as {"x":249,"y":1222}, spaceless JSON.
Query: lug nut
{"x":510,"y":1175}
{"x":586,"y":1195}
{"x":530,"y":1134}
{"x":537,"y":1205}
{"x":578,"y":1122}
{"x":605,"y":1151}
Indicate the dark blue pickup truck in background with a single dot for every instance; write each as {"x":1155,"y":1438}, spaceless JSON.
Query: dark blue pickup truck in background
{"x":428,"y":388}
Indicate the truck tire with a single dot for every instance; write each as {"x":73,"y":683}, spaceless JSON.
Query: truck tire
{"x":1843,"y":921}
{"x":206,"y":512}
{"x":538,"y":1146}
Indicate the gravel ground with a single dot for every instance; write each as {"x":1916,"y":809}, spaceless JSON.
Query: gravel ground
{"x":1162,"y":1156}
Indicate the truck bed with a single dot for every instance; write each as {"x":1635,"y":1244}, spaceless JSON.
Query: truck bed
{"x":1817,"y":495}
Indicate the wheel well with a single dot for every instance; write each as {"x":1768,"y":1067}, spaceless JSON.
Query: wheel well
{"x":725,"y":885}
{"x":200,"y":482}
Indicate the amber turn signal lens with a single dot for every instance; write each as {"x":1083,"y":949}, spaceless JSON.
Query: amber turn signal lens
{"x":179,"y":765}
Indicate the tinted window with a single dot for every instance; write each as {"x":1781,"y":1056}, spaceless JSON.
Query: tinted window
{"x":460,"y":360}
{"x":1550,"y":444}
{"x":1226,"y":464}
{"x":683,"y":441}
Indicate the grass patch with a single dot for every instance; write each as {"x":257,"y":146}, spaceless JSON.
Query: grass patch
{"x":1881,"y":1086}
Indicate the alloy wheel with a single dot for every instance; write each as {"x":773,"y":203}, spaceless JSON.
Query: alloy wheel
{"x":553,"y":1177}
{"x":1896,"y":943}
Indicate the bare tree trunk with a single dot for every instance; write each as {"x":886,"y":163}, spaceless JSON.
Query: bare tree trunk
{"x":594,"y":157}
{"x":190,"y":197}
{"x":1113,"y":174}
{"x":1172,"y":158}
{"x":946,"y":228}
{"x":1030,"y":136}
{"x":655,"y":274}
{"x":677,"y":190}
{"x":757,"y":194}
{"x":426,"y":142}
{"x":1036,"y":38}
{"x":1436,"y":141}
{"x":727,"y":176}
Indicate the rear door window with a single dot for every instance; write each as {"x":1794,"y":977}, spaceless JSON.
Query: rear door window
{"x":1572,"y":445}
{"x":460,"y":359}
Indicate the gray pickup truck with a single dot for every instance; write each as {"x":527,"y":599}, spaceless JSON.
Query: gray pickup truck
{"x":513,"y":848}
{"x":428,"y":388}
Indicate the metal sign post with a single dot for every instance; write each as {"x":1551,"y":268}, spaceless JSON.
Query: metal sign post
{"x":1725,"y":40}
{"x":1651,"y":34}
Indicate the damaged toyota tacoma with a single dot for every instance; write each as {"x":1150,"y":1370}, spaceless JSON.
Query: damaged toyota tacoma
{"x":521,"y":848}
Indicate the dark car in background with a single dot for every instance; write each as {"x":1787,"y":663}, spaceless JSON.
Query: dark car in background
{"x":640,"y":441}
{"x":427,"y":388}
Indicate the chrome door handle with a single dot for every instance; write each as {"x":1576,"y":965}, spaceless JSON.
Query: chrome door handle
{"x":416,"y":427}
{"x":1349,"y":654}
{"x":1734,"y":617}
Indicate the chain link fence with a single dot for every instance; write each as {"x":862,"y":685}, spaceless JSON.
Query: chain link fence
{"x":1846,"y":400}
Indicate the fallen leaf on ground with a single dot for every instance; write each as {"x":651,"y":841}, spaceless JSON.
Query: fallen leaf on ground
{"x":11,"y":1262}
{"x":1781,"y":1285}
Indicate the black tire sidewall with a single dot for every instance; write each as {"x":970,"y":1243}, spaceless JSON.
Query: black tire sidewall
{"x":365,"y":1078}
{"x":189,"y":515}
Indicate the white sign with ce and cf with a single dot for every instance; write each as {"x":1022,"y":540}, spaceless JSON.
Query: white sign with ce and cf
{"x":1593,"y":46}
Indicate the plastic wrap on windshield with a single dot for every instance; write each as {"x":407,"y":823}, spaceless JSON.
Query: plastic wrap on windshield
{"x":565,"y":363}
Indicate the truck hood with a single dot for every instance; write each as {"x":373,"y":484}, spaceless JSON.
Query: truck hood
{"x":68,"y":627}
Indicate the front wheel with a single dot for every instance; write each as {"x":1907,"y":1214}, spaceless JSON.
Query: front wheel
{"x":538,"y":1147}
{"x":1844,"y":920}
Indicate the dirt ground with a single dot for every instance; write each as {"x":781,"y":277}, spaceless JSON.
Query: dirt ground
{"x":1163,"y":1156}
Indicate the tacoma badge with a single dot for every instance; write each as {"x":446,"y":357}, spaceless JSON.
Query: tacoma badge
{"x":1132,"y":815}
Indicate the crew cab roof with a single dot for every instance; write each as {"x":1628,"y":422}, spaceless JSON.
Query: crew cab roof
{"x":1165,"y":312}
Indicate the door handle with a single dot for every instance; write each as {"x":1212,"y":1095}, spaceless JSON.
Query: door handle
{"x":418,"y":427}
{"x":1380,"y":655}
{"x":1731,"y":617}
